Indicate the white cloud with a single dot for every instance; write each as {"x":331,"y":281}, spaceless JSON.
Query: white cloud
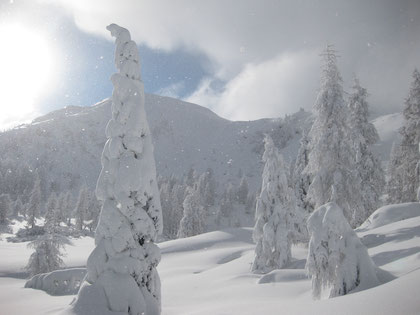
{"x":243,"y":39}
{"x":272,"y":88}
{"x":172,"y":90}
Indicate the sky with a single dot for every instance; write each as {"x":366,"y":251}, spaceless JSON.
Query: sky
{"x":242,"y":59}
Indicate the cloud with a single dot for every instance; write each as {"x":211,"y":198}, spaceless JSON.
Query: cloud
{"x":272,"y":88}
{"x":173,"y":90}
{"x":378,"y":40}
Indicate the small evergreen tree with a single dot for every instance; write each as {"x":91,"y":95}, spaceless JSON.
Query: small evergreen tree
{"x":302,"y":180}
{"x":52,"y":214}
{"x":193,"y":219}
{"x":242,"y":192}
{"x":5,"y":206}
{"x":251,"y":200}
{"x":277,"y":220}
{"x":34,"y":206}
{"x":47,"y":255}
{"x":81,"y":208}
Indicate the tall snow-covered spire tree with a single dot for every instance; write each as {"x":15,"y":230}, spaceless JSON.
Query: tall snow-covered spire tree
{"x":331,"y":160}
{"x":277,"y":218}
{"x":364,"y":135}
{"x":408,"y":151}
{"x":121,"y":271}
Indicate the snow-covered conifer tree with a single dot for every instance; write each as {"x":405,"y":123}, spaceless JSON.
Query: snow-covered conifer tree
{"x":191,"y":177}
{"x":47,"y":255}
{"x":81,"y":208}
{"x":5,"y":206}
{"x":337,"y":260}
{"x":394,"y":177}
{"x":121,"y":270}
{"x":242,"y":191}
{"x":207,"y":187}
{"x":276,"y":214}
{"x":193,"y":219}
{"x":34,"y":203}
{"x":224,"y":212}
{"x":331,"y":160}
{"x":302,"y":179}
{"x":18,"y":208}
{"x":250,"y":203}
{"x":52,"y":215}
{"x":364,"y":135}
{"x":409,"y":154}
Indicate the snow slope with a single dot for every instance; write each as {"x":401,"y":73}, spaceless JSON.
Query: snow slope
{"x":210,"y":274}
{"x":66,"y":145}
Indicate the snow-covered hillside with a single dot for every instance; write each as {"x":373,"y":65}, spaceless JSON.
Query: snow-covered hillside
{"x":210,"y":274}
{"x":387,"y":126}
{"x":66,"y":145}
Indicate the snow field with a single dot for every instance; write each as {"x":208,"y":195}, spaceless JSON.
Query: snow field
{"x":210,"y":274}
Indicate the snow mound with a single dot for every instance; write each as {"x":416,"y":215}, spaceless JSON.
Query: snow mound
{"x":284,"y":275}
{"x":59,"y":282}
{"x":391,"y":214}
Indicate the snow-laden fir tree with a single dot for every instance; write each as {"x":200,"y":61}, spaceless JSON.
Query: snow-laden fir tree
{"x":5,"y":207}
{"x":242,"y":192}
{"x":34,"y":206}
{"x":121,"y":271}
{"x":302,"y":179}
{"x":331,"y":158}
{"x":48,"y":248}
{"x":277,"y":218}
{"x":52,"y":215}
{"x":364,"y":136}
{"x":403,"y":181}
{"x":394,"y":177}
{"x":207,"y":188}
{"x":337,"y":261}
{"x":193,"y":219}
{"x":82,"y":205}
{"x":18,"y":208}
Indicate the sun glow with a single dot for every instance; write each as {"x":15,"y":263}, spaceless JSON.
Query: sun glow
{"x":26,"y":70}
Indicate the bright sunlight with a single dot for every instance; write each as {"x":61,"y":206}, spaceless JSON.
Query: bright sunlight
{"x":26,"y":63}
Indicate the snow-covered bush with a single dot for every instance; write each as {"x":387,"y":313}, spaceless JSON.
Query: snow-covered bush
{"x":121,"y":270}
{"x":337,"y":261}
{"x":277,"y":219}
